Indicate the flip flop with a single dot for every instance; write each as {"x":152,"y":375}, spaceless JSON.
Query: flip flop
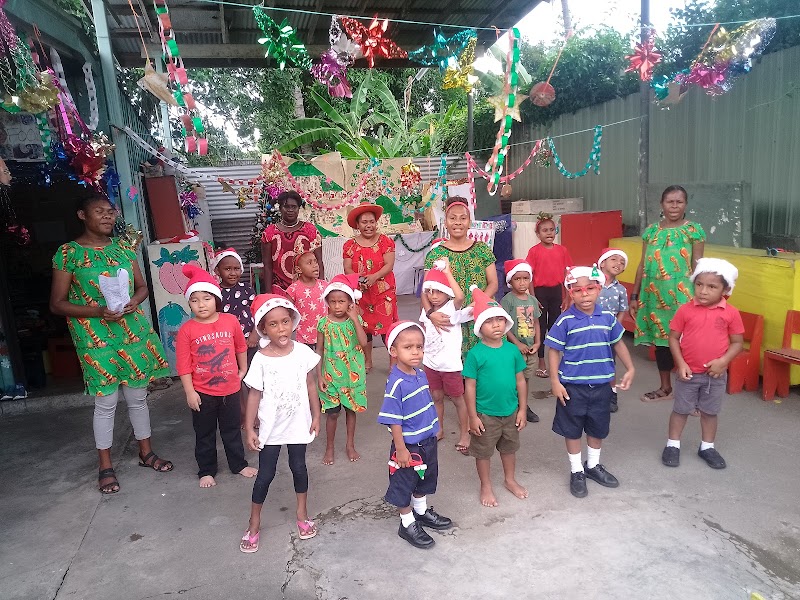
{"x":463,"y":449}
{"x":252,"y":540}
{"x":542,"y":373}
{"x":306,"y":529}
{"x":656,"y":396}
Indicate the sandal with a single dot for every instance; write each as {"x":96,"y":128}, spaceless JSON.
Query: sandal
{"x":152,"y":461}
{"x":656,"y":396}
{"x":306,"y":529}
{"x":542,"y":373}
{"x":251,"y":541}
{"x":462,"y":449}
{"x":112,"y":487}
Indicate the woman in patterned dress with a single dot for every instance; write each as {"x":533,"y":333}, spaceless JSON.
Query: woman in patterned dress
{"x":119,"y":352}
{"x":670,"y":251}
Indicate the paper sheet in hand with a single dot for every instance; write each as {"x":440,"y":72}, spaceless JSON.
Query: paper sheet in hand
{"x":115,"y":290}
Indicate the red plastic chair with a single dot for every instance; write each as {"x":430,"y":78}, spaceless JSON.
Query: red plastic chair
{"x":743,"y":370}
{"x":778,"y":361}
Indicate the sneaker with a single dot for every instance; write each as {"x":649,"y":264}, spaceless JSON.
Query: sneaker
{"x":577,"y":484}
{"x":601,"y":476}
{"x":430,"y":518}
{"x":614,"y":405}
{"x":415,"y":535}
{"x":671,"y":456}
{"x":531,"y":416}
{"x":712,"y":457}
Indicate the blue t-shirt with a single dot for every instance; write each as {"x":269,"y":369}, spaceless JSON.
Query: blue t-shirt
{"x":408,"y":403}
{"x":613,"y":298}
{"x":586,"y":342}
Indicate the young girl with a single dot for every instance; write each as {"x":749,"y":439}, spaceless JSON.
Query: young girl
{"x":342,"y":372}
{"x":283,"y":391}
{"x":549,"y":262}
{"x":306,"y":292}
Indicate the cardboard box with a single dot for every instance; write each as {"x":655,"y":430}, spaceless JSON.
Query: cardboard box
{"x":553,"y":206}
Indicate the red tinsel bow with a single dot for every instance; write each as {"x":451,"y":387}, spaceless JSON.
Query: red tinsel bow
{"x":643,"y":59}
{"x":708,"y":78}
{"x":371,"y":39}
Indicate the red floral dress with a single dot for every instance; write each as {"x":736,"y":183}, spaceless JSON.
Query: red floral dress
{"x":311,"y":306}
{"x":282,"y":246}
{"x":379,"y":302}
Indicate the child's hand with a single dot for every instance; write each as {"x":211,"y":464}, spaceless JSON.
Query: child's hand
{"x":252,"y":439}
{"x":322,"y":384}
{"x":522,"y":348}
{"x":521,"y":421}
{"x":314,"y":426}
{"x":252,"y":339}
{"x":193,"y":400}
{"x":627,"y":380}
{"x":352,"y":311}
{"x":716,"y":368}
{"x":684,"y":372}
{"x":533,"y":349}
{"x":402,"y":457}
{"x":476,"y":426}
{"x":560,"y":392}
{"x":242,"y":375}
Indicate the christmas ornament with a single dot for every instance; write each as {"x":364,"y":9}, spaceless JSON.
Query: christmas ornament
{"x":643,"y":59}
{"x":87,"y":157}
{"x":157,"y":84}
{"x":371,"y":39}
{"x":281,"y":41}
{"x":460,"y":75}
{"x":330,"y":72}
{"x":505,"y":191}
{"x":542,"y":94}
{"x":40,"y":97}
{"x":444,"y":51}
{"x":502,"y":107}
{"x":410,"y":178}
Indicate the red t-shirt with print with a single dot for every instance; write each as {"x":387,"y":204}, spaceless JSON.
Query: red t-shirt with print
{"x":207,"y":352}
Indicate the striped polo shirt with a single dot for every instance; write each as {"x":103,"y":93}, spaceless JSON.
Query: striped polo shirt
{"x":408,"y":403}
{"x":586,"y":342}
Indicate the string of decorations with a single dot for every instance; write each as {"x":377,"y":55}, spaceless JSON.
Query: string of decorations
{"x":592,"y":164}
{"x":399,"y":238}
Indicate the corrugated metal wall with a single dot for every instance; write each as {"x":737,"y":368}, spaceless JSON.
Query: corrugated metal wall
{"x":749,"y":134}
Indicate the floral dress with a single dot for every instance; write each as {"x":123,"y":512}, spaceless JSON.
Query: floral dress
{"x":343,"y":367}
{"x":468,"y":268}
{"x":111,"y":353}
{"x":282,"y":245}
{"x":379,"y":301}
{"x":665,"y":279}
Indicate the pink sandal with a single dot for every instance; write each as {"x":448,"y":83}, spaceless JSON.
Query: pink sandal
{"x":252,"y":540}
{"x":306,"y":529}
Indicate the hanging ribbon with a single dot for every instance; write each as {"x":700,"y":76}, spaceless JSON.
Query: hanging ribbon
{"x":594,"y":157}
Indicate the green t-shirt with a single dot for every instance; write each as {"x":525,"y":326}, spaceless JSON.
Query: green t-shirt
{"x":524,"y":313}
{"x":495,"y":373}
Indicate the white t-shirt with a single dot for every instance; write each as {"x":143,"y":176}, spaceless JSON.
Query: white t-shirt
{"x":443,"y":350}
{"x":284,"y":412}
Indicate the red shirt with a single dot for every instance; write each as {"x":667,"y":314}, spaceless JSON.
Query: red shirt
{"x":310,"y":305}
{"x":705,"y":331}
{"x":207,"y":352}
{"x":549,"y":264}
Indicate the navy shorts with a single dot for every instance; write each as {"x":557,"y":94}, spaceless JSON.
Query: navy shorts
{"x":405,"y":482}
{"x":588,"y":409}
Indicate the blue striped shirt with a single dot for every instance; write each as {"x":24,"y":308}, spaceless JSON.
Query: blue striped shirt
{"x":586,"y":342}
{"x":408,"y":403}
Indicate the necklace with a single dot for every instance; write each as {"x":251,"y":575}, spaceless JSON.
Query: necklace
{"x":292,"y":226}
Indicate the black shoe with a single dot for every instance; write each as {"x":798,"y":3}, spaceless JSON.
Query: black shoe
{"x":601,"y":476}
{"x":614,"y":405}
{"x":416,"y":536}
{"x":577,"y":484}
{"x":671,"y":456}
{"x":712,"y":457}
{"x":430,"y":518}
{"x":531,"y":416}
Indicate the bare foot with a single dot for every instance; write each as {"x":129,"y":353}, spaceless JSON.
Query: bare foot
{"x":328,"y":458}
{"x":368,"y":367}
{"x":207,"y":481}
{"x":487,"y":496}
{"x":352,"y":454}
{"x":516,"y":489}
{"x":248,"y":472}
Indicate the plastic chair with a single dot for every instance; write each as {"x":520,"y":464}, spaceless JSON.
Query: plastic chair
{"x":743,"y":370}
{"x":778,"y":361}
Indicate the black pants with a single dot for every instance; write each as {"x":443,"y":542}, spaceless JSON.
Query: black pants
{"x":664,"y":360}
{"x":225,"y":412}
{"x":550,"y":299}
{"x":267,"y":463}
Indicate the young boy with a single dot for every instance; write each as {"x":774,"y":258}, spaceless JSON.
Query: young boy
{"x":496,"y":396}
{"x":409,"y":412}
{"x":705,"y":335}
{"x":526,"y":333}
{"x":613,"y":296}
{"x":581,"y":378}
{"x":211,"y":357}
{"x":442,"y":359}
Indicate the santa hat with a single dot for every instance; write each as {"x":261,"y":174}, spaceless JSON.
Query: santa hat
{"x":220,"y":254}
{"x":609,"y":252}
{"x":437,"y":280}
{"x":344,"y":283}
{"x":303,"y":245}
{"x":593,"y":273}
{"x":515,"y":266}
{"x":486,"y":307}
{"x":200,"y":281}
{"x":436,"y":243}
{"x":395,"y":329}
{"x":190,"y":236}
{"x":717,"y":266}
{"x":264,"y":303}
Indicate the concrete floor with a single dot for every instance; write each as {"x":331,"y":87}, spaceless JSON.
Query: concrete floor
{"x":690,"y":532}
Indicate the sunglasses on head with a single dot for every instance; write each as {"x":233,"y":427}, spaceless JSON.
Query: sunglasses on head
{"x":592,"y":287}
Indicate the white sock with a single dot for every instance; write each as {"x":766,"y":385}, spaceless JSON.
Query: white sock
{"x":706,"y":445}
{"x":614,"y":389}
{"x":407,"y":519}
{"x":674,"y":444}
{"x":592,"y":457}
{"x":420,"y":504}
{"x":575,"y":464}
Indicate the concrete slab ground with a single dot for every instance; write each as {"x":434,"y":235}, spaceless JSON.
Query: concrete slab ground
{"x":690,"y":532}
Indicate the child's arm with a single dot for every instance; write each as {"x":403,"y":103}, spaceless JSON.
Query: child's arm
{"x":192,"y":397}
{"x":559,"y":391}
{"x":620,"y":315}
{"x":718,"y":366}
{"x":522,"y":395}
{"x":682,"y":369}
{"x":250,"y":414}
{"x":321,"y":351}
{"x":253,"y":338}
{"x":184,"y":367}
{"x":621,"y":351}
{"x":313,"y":400}
{"x":402,"y":456}
{"x":352,"y":312}
{"x":475,"y":423}
{"x":241,"y":361}
{"x":458,"y":298}
{"x":513,"y":339}
{"x":537,"y":337}
{"x":637,"y":284}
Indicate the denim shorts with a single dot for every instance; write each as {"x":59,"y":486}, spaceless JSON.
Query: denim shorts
{"x":404,"y":483}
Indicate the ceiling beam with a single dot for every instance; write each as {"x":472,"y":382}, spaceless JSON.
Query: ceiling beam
{"x":312,"y":23}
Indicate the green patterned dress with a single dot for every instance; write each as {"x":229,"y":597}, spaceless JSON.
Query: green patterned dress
{"x":665,"y":279}
{"x":111,"y":353}
{"x":468,"y":268}
{"x":343,"y":368}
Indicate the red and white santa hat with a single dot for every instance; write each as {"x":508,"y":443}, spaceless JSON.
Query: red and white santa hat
{"x":344,"y":283}
{"x":717,"y":266}
{"x":396,"y":328}
{"x":436,"y":243}
{"x":592,"y":273}
{"x":515,"y":266}
{"x":200,"y":281}
{"x":220,"y":254}
{"x":609,"y":252}
{"x":263,"y":303}
{"x":190,"y":236}
{"x":486,"y":307}
{"x":437,"y":280}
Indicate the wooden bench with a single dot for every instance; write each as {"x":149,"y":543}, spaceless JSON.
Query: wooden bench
{"x":777,"y":361}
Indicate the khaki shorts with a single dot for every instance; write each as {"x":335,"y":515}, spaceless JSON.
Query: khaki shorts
{"x":499,"y":432}
{"x":531,"y":362}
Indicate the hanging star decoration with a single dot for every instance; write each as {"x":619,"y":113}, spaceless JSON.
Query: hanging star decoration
{"x":372,"y":41}
{"x":502,"y":106}
{"x":157,"y":84}
{"x":444,"y":51}
{"x":282,"y":42}
{"x":643,"y":59}
{"x":461,"y":75}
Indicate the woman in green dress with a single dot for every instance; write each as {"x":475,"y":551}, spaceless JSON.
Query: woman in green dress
{"x":119,"y":352}
{"x":670,"y":251}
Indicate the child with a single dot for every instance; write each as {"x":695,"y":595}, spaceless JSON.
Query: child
{"x":409,"y":411}
{"x":283,"y":391}
{"x":342,"y":372}
{"x":613,"y":296}
{"x":526,"y":333}
{"x":211,"y":355}
{"x":588,"y":339}
{"x":306,"y":291}
{"x":442,"y":359}
{"x":705,"y":335}
{"x":549,"y":261}
{"x":496,"y":396}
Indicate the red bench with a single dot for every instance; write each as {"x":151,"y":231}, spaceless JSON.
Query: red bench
{"x":778,"y":361}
